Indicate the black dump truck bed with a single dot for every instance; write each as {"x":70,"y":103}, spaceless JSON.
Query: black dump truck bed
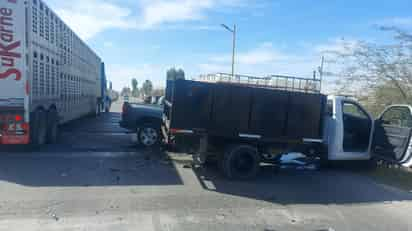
{"x":256,"y":108}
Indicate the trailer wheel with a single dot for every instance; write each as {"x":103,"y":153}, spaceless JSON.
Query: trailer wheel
{"x":148,"y":135}
{"x":38,"y":128}
{"x":97,"y":113}
{"x":241,"y":162}
{"x":52,"y":126}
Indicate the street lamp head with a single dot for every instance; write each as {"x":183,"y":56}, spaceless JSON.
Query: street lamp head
{"x":226,"y":27}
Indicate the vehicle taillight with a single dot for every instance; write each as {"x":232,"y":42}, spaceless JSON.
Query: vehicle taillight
{"x":18,"y":118}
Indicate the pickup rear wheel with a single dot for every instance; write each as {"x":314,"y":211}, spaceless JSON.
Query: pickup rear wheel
{"x":241,"y":162}
{"x":148,"y":135}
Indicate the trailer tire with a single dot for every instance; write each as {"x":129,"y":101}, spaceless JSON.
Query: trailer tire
{"x":52,"y":126}
{"x":241,"y":162}
{"x":38,"y":126}
{"x":97,"y":112}
{"x":148,"y":135}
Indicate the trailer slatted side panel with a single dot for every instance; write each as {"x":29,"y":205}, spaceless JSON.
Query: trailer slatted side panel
{"x":64,"y":70}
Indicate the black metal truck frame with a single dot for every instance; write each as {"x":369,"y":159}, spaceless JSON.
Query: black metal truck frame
{"x":244,"y":119}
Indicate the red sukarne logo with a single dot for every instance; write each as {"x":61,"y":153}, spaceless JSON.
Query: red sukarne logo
{"x":9,"y":54}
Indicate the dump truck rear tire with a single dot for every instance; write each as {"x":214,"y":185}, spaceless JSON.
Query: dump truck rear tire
{"x":241,"y":162}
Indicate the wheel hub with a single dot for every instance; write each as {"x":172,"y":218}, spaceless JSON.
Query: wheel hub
{"x":148,"y":136}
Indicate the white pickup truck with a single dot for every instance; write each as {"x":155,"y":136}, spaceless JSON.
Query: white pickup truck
{"x":351,"y":133}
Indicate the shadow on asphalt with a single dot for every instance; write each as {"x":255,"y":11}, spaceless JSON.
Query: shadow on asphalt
{"x":290,"y":186}
{"x":89,"y":169}
{"x":87,"y":134}
{"x":90,"y":152}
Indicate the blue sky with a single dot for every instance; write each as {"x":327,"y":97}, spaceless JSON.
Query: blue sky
{"x":143,"y":38}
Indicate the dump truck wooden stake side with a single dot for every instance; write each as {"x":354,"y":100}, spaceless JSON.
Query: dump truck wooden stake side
{"x":242,"y":121}
{"x":48,"y":75}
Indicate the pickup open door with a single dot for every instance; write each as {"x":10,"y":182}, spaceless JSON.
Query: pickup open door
{"x":392,"y":135}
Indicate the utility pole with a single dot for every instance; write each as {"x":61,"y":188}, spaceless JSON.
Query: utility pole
{"x":321,"y":70}
{"x":233,"y":31}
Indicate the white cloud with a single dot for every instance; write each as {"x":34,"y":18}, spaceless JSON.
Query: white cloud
{"x":206,"y":68}
{"x":88,"y":18}
{"x":108,"y":44}
{"x":396,"y":21}
{"x":342,"y":46}
{"x":91,"y":17}
{"x":262,"y":61}
{"x":158,"y":12}
{"x":263,"y":54}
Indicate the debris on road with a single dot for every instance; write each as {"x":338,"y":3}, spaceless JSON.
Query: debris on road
{"x":55,"y":217}
{"x":114,"y":169}
{"x":220,"y":216}
{"x":188,"y":166}
{"x":297,"y":161}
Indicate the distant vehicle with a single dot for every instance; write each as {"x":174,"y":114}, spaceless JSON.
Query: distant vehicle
{"x":49,"y":76}
{"x":161,"y":101}
{"x":145,"y":120}
{"x":126,"y":98}
{"x":153,"y":100}
{"x":104,"y":101}
{"x":245,"y":121}
{"x":147,"y":100}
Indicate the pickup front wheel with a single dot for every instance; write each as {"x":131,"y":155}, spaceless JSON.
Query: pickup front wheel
{"x":148,"y":135}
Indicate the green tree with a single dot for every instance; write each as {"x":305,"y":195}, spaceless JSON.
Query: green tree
{"x":126,"y":91}
{"x":377,"y":74}
{"x":173,"y":74}
{"x":135,"y":87}
{"x":147,"y":87}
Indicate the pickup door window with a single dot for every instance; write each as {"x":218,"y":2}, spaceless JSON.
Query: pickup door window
{"x":357,"y":126}
{"x":392,"y":133}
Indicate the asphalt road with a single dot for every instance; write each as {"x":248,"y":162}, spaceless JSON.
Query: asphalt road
{"x":96,"y":178}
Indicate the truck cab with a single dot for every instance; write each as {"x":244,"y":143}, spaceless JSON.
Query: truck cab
{"x":351,"y":133}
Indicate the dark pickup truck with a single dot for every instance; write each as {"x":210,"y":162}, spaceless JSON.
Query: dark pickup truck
{"x":145,"y":120}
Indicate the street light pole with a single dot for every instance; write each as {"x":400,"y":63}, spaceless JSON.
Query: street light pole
{"x":233,"y":31}
{"x":233,"y":53}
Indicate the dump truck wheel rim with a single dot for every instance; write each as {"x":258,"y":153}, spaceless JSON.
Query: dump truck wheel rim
{"x":243,"y":163}
{"x":148,"y":136}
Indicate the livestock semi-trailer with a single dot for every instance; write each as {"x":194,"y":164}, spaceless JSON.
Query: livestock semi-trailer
{"x":48,"y":75}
